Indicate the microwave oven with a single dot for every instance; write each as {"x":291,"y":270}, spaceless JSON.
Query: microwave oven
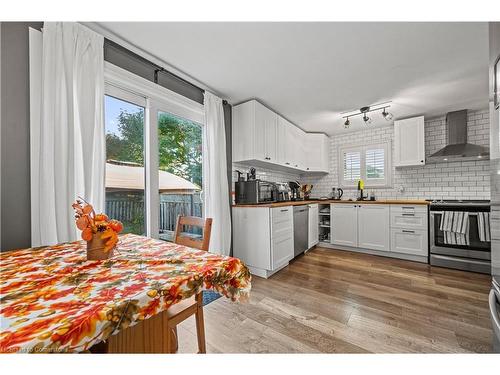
{"x":255,"y":192}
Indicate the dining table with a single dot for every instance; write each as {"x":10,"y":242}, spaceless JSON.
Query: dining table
{"x":54,"y":300}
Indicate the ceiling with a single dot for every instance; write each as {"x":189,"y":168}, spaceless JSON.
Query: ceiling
{"x":311,"y":72}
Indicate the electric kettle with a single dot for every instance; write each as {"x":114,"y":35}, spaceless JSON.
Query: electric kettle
{"x":337,"y":193}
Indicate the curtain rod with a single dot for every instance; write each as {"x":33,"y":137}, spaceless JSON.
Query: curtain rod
{"x":157,"y":67}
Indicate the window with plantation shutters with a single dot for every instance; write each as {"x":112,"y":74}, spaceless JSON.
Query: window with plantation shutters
{"x":371,"y":163}
{"x":375,"y":164}
{"x":352,"y":166}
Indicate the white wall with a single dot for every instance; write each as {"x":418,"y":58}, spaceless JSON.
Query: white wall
{"x":457,"y":180}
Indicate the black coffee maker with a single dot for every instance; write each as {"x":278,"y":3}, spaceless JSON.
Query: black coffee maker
{"x":295,"y":191}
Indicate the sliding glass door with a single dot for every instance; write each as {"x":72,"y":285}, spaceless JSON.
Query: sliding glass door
{"x":154,"y":155}
{"x":125,"y":172}
{"x":180,"y":156}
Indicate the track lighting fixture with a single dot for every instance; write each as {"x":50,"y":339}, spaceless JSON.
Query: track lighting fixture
{"x":387,"y":115}
{"x":365,"y":110}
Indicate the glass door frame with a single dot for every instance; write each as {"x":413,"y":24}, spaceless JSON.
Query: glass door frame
{"x":125,"y":85}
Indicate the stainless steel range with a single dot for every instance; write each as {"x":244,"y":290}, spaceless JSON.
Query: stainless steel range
{"x":459,"y":235}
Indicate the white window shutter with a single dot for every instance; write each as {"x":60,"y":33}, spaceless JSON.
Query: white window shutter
{"x":352,"y":166}
{"x":375,"y":164}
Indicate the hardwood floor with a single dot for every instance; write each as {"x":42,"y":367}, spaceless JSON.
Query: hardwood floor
{"x":334,"y":301}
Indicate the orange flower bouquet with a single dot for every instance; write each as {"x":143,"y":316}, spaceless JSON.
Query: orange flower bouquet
{"x":98,"y":230}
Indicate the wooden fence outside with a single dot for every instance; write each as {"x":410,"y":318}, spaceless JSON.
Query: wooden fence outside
{"x":128,"y":210}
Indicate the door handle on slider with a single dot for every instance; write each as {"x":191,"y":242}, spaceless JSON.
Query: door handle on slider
{"x":408,"y":231}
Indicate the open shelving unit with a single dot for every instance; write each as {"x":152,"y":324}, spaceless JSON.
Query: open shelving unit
{"x":324,"y":223}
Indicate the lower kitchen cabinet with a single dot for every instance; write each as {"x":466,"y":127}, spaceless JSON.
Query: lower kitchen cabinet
{"x":374,"y":227}
{"x":263,"y":238}
{"x":409,"y":241}
{"x":344,"y":224}
{"x":398,"y":231}
{"x":313,"y":237}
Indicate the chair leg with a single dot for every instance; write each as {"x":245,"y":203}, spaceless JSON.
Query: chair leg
{"x":175,"y":340}
{"x":171,"y":340}
{"x":200,"y":324}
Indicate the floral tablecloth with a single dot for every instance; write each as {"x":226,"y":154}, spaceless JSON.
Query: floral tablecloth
{"x":53,"y":300}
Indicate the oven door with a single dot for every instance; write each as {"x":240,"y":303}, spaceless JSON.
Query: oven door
{"x":475,"y":250}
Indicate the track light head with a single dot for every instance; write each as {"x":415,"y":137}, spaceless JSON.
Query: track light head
{"x":387,"y":115}
{"x":366,"y":119}
{"x":347,"y":123}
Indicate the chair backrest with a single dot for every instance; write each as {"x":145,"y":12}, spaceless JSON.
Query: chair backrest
{"x":205,"y":224}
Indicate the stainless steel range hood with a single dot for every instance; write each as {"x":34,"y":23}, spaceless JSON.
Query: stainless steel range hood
{"x":457,"y":148}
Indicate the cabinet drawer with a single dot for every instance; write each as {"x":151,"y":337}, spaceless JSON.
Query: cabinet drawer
{"x":409,"y":241}
{"x":282,"y":252}
{"x":409,"y":219}
{"x":282,"y":229}
{"x":404,"y":208}
{"x":282,"y":214}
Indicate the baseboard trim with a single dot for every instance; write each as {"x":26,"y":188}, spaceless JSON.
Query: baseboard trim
{"x":414,"y":258}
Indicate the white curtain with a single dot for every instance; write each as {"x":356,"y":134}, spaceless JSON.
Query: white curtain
{"x":71,"y":142}
{"x":215,"y":183}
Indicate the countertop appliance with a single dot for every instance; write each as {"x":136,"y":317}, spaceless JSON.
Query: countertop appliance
{"x":300,"y":229}
{"x":255,"y":192}
{"x":283,"y":191}
{"x":337,"y":193}
{"x":295,"y":194}
{"x":467,"y":253}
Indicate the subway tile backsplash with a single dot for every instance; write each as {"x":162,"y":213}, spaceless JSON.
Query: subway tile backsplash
{"x":457,"y":180}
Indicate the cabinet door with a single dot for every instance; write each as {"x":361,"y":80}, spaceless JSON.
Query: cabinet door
{"x":409,"y":142}
{"x":281,"y":140}
{"x":344,"y":224}
{"x":265,"y":133}
{"x":300,"y":149}
{"x":494,"y":132}
{"x":374,"y":227}
{"x":290,"y":142}
{"x":409,"y":241}
{"x":316,"y":152}
{"x":313,"y":236}
{"x":281,"y":236}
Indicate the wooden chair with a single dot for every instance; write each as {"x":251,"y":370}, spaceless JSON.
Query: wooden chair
{"x":179,"y":312}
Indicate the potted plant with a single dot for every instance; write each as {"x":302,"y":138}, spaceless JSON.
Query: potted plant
{"x":100,"y":233}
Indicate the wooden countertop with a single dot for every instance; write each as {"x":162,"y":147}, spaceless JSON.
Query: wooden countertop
{"x":298,"y":203}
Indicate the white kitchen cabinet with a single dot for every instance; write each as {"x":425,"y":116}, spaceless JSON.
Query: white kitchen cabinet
{"x":344,"y":224}
{"x":263,"y":238}
{"x":494,"y":132}
{"x":374,"y":227}
{"x":313,"y":232}
{"x":254,"y":132}
{"x":260,"y":137}
{"x":317,"y":152}
{"x":409,"y":241}
{"x":294,"y":147}
{"x":281,"y":236}
{"x":409,"y":142}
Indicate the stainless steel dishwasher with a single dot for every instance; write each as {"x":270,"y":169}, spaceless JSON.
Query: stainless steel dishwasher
{"x":300,"y":229}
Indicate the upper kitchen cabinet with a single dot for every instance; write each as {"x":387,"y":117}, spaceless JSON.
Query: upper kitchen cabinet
{"x":254,"y":132}
{"x":294,"y":147}
{"x":263,"y":138}
{"x":409,"y":142}
{"x":317,"y":152}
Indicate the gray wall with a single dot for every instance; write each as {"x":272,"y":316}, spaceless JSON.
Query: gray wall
{"x":15,"y":146}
